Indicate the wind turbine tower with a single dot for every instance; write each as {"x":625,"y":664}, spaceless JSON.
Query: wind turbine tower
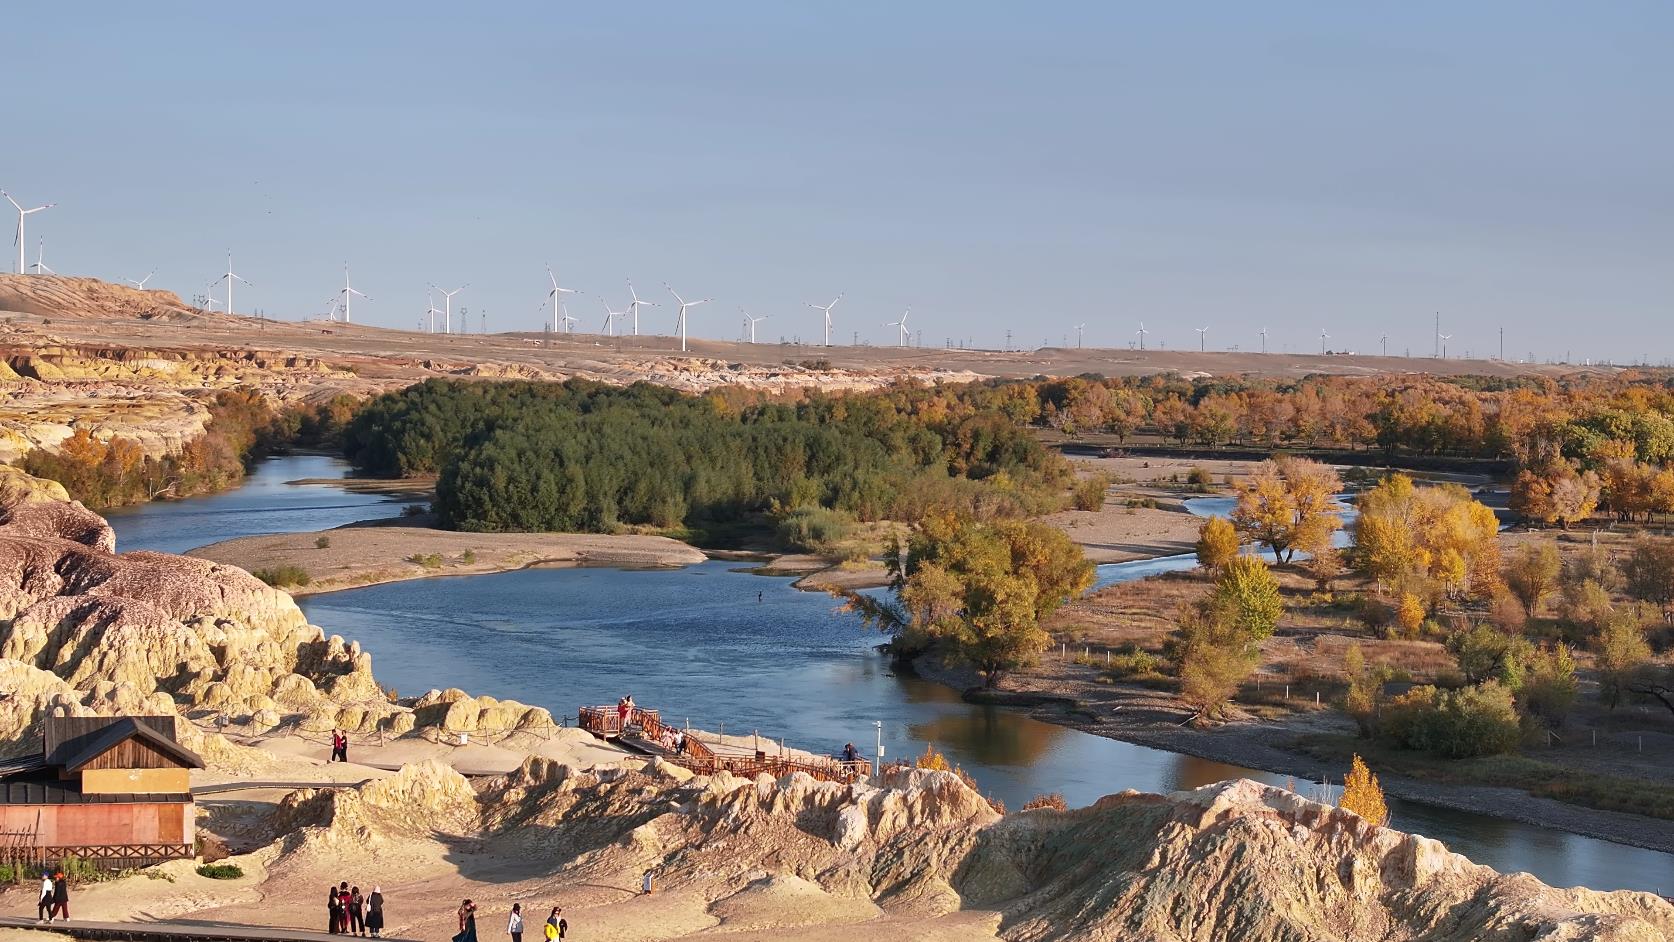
{"x":610,"y":318}
{"x":140,"y":284}
{"x":1142,"y":332}
{"x":1202,"y":344}
{"x":566,"y":318}
{"x":826,"y":310}
{"x":431,"y":309}
{"x":1264,"y":340}
{"x":556,"y":296}
{"x":636,"y":304}
{"x":21,"y":215}
{"x":1323,"y":336}
{"x":681,"y":317}
{"x":349,"y":294}
{"x":40,"y":258}
{"x":447,"y":307}
{"x":229,"y":278}
{"x":901,"y":328}
{"x":751,"y":322}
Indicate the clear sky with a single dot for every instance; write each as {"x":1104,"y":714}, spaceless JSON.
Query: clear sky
{"x":1345,"y":166}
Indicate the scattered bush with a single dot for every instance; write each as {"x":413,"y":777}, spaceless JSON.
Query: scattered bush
{"x":286,"y":575}
{"x":1051,"y":800}
{"x":427,"y":560}
{"x":322,"y":543}
{"x":1090,"y":492}
{"x":468,"y":557}
{"x":221,"y":871}
{"x":1199,"y":480}
{"x":412,"y":510}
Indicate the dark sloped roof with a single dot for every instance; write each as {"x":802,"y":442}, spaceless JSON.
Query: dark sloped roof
{"x":126,"y":728}
{"x":67,"y":735}
{"x":22,"y":764}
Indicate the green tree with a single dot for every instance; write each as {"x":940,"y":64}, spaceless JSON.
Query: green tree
{"x":978,"y":592}
{"x":1648,"y":571}
{"x":1622,"y":654}
{"x":1247,"y":596}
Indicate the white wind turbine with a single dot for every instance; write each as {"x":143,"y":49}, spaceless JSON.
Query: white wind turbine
{"x":610,"y":318}
{"x":1264,"y":340}
{"x":637,"y":303}
{"x":1142,"y":332}
{"x":349,"y":294}
{"x":1444,"y":338}
{"x":431,"y":310}
{"x":901,"y":328}
{"x":1323,"y":336}
{"x":40,"y":258}
{"x":751,"y":322}
{"x":826,"y":310}
{"x":447,"y":307}
{"x":229,"y":278}
{"x":556,"y":296}
{"x":21,"y":213}
{"x":1078,"y":329}
{"x":567,"y":319}
{"x":209,"y":301}
{"x":1202,"y":332}
{"x":681,"y":318}
{"x":140,"y":284}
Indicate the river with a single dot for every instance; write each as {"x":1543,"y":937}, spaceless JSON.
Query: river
{"x":721,"y":647}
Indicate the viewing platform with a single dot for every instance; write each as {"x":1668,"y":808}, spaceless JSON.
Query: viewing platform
{"x":706,"y":753}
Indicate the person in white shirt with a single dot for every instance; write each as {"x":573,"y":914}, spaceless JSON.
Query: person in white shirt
{"x":514,"y":925}
{"x":43,"y":909}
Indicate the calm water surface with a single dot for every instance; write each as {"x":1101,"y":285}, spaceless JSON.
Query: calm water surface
{"x":264,"y":504}
{"x":698,"y":643}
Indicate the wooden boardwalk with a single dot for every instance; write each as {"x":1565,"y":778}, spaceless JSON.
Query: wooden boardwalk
{"x":645,"y":733}
{"x":174,"y":931}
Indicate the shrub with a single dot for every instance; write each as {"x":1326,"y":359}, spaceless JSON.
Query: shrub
{"x":221,"y":871}
{"x":1200,"y":480}
{"x":412,"y":510}
{"x":1051,"y":800}
{"x":1459,"y":724}
{"x":1131,"y":661}
{"x":1247,"y":595}
{"x":1532,"y":572}
{"x":322,"y":543}
{"x":815,"y":529}
{"x":1089,"y":492}
{"x":468,"y":557}
{"x":427,"y":560}
{"x":283,"y":575}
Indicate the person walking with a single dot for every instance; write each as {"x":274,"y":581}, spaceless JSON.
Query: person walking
{"x":357,"y":912}
{"x":60,"y":894}
{"x":343,"y":897}
{"x":44,"y":907}
{"x":556,"y":927}
{"x":334,"y":911}
{"x":375,"y":912}
{"x":467,"y":922}
{"x":514,"y":925}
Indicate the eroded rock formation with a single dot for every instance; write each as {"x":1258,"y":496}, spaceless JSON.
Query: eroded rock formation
{"x":86,"y":629}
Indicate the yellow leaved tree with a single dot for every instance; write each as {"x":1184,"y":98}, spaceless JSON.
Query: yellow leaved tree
{"x":1363,"y":795}
{"x":1287,"y":505}
{"x":1439,"y":534}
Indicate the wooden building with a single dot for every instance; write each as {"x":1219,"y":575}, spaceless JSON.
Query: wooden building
{"x":113,"y":790}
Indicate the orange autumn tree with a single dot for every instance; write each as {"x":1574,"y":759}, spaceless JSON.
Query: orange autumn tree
{"x":1439,"y":535}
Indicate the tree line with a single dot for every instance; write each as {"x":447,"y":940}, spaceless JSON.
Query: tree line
{"x":587,"y":456}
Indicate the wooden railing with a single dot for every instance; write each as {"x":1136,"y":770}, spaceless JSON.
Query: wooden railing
{"x":646,"y":726}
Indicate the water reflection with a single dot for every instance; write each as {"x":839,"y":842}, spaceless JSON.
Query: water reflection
{"x":263,"y":504}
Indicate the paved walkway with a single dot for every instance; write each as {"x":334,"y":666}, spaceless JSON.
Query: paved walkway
{"x":173,"y":931}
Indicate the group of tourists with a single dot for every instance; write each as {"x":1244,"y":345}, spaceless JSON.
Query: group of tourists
{"x":350,"y":913}
{"x":624,"y":713}
{"x":55,"y":897}
{"x":339,"y":746}
{"x":555,"y":928}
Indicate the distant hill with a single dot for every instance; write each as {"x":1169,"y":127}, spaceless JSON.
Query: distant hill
{"x":66,"y":296}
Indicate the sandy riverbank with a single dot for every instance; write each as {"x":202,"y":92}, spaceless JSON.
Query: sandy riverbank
{"x":396,"y":550}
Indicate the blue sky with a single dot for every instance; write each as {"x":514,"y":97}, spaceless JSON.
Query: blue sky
{"x":1351,"y":167}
